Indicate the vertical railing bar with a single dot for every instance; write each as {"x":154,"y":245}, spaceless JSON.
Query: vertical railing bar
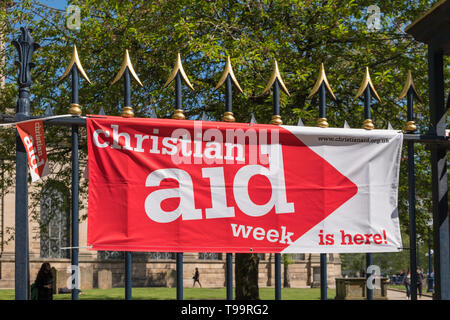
{"x":412,"y":201}
{"x":369,"y":258}
{"x":276,"y":112}
{"x":75,"y":191}
{"x":128,"y":257}
{"x":323,"y":256}
{"x":229,"y":256}
{"x":179,"y":261}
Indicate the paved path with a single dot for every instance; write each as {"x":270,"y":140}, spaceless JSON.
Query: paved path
{"x":401,"y":295}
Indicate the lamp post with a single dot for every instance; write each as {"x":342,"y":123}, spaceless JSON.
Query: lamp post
{"x":25,"y":46}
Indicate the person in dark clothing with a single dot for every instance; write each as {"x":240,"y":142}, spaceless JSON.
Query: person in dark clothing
{"x":420,"y":281}
{"x":407,"y":283}
{"x":196,"y":278}
{"x":44,"y":282}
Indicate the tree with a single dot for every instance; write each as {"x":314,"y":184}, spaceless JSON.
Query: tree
{"x":299,"y":34}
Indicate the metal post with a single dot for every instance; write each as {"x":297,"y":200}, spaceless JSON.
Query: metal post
{"x":127,"y":112}
{"x":412,"y":202}
{"x":323,"y":256}
{"x":25,"y":46}
{"x":75,"y":68}
{"x":228,"y":77}
{"x":276,"y":112}
{"x":229,"y":277}
{"x":178,"y":74}
{"x":439,"y":180}
{"x":229,"y":256}
{"x":75,"y":169}
{"x":369,"y":262}
{"x":128,"y":258}
{"x":367,"y":99}
{"x":323,"y":276}
{"x":277,"y":276}
{"x":178,"y":105}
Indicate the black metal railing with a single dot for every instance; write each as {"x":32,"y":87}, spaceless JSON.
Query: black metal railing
{"x":26,"y":46}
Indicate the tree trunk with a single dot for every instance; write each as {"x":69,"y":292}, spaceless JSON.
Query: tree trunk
{"x":246,"y":273}
{"x":287,"y":276}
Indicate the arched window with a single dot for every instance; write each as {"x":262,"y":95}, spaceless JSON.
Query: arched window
{"x":54,"y":220}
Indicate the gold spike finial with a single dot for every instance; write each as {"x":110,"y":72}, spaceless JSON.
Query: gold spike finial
{"x":367,"y":82}
{"x":127,"y":63}
{"x":178,"y":67}
{"x":321,"y":78}
{"x":409,"y":84}
{"x":228,"y":71}
{"x":275,"y":75}
{"x":75,"y":60}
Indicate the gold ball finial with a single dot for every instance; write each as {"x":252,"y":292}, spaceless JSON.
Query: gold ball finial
{"x":228,"y":117}
{"x":75,"y":109}
{"x":276,"y":120}
{"x":368,"y":124}
{"x":178,"y":115}
{"x":322,"y":123}
{"x":127,"y":112}
{"x":410,"y":126}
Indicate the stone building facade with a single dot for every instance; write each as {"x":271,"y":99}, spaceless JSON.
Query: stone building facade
{"x":106,"y":269}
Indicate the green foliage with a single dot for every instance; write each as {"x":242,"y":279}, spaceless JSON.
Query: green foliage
{"x":299,"y":34}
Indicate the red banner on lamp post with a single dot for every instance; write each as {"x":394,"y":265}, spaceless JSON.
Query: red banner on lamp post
{"x":195,"y":186}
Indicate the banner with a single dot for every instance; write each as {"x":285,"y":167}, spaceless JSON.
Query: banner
{"x":199,"y":186}
{"x":32,"y":135}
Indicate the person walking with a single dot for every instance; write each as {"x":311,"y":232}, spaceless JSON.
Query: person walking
{"x":196,"y":278}
{"x":420,"y":281}
{"x":44,"y":282}
{"x":407,"y":283}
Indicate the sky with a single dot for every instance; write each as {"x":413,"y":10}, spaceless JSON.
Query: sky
{"x":58,"y":4}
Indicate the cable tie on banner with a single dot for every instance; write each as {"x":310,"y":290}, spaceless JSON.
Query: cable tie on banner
{"x":43,"y":119}
{"x":82,"y":247}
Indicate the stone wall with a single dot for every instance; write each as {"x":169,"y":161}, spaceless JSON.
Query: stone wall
{"x":162,"y":273}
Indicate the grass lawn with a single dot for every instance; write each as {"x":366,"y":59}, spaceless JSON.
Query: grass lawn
{"x":188,"y":294}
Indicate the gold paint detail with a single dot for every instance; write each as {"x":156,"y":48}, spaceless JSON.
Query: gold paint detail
{"x":178,"y":115}
{"x":368,"y":124}
{"x":322,"y":123}
{"x":321,"y":78}
{"x":127,"y":112}
{"x":410,"y":126}
{"x":409,"y":84}
{"x":228,"y":117}
{"x":75,"y":60}
{"x":228,"y":71}
{"x":75,"y":109}
{"x":178,"y":67}
{"x":275,"y":75}
{"x":276,"y":120}
{"x":127,"y":63}
{"x":367,"y":82}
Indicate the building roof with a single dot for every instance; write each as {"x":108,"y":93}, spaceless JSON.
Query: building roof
{"x":433,"y":26}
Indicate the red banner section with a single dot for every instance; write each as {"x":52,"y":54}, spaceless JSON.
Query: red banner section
{"x":195,"y":186}
{"x":32,"y":135}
